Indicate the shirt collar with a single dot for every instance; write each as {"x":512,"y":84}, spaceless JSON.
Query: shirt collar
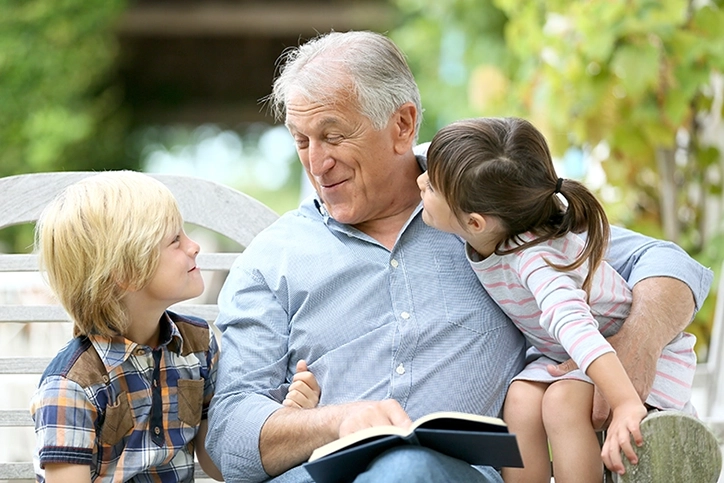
{"x":115,"y":350}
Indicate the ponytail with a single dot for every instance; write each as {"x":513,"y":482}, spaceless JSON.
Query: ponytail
{"x":584,"y":213}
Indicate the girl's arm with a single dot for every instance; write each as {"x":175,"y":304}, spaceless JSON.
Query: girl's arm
{"x":567,"y":317}
{"x":65,"y":472}
{"x":204,"y":460}
{"x":611,"y":379}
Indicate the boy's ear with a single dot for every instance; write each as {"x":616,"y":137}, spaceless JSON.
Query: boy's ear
{"x":125,"y":286}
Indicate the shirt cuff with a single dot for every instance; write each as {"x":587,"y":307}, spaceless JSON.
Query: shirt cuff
{"x":241,"y":459}
{"x":676,"y":264}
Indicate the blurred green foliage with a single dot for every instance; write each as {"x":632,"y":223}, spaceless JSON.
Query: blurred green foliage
{"x":61,"y":106}
{"x":636,"y":77}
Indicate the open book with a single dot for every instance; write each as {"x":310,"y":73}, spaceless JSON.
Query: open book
{"x":478,"y":440}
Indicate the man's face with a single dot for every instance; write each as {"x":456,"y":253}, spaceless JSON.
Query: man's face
{"x":349,"y":163}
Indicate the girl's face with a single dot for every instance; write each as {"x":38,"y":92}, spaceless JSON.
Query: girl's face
{"x":436,"y":212}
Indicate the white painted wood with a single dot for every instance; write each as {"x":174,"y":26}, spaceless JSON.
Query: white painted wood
{"x":203,"y":203}
{"x":14,"y":262}
{"x":15,"y":417}
{"x":33,"y":314}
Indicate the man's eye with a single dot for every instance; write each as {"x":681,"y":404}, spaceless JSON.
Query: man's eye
{"x":334,"y":139}
{"x":301,"y":143}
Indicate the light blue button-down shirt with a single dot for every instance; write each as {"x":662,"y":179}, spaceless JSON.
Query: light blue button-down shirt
{"x":413,"y":324}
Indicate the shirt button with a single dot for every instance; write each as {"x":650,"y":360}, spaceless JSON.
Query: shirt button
{"x":157,"y":430}
{"x":140,"y":352}
{"x":394,"y":263}
{"x":105,"y":378}
{"x":405,"y":315}
{"x":400,"y":369}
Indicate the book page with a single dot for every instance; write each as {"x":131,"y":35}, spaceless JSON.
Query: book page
{"x":358,"y":437}
{"x":475,"y":418}
{"x":377,"y":431}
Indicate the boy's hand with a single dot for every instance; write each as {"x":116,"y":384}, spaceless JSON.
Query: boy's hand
{"x":304,"y":390}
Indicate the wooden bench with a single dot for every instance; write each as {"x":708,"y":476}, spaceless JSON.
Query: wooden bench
{"x":211,"y":206}
{"x":238,"y":217}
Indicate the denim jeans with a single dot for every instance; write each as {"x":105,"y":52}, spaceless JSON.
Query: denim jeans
{"x":409,"y":464}
{"x":415,"y":464}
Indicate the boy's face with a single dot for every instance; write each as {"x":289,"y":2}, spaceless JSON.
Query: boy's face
{"x":177,"y":277}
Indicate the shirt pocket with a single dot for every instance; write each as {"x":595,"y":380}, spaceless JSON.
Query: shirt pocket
{"x":190,"y":400}
{"x":118,"y":421}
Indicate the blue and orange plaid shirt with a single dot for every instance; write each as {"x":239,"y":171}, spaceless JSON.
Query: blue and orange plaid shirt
{"x":129,"y":412}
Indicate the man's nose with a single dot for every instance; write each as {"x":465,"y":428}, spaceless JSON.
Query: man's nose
{"x":320,"y":160}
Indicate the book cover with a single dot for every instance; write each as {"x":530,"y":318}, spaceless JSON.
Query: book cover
{"x":478,"y":440}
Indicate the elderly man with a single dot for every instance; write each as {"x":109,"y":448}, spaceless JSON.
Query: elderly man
{"x":385,"y":310}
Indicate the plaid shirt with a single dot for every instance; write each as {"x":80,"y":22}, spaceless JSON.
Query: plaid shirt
{"x":128,"y":411}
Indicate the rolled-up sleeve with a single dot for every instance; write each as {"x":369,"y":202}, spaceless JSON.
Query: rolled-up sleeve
{"x":637,"y":257}
{"x":254,"y":330}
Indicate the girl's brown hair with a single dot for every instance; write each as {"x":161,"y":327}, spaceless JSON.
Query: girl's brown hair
{"x":502,"y":167}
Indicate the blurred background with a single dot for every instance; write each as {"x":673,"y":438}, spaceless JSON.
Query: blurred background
{"x":630,"y":95}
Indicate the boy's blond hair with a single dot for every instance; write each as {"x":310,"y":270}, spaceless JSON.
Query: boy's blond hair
{"x":100,"y":238}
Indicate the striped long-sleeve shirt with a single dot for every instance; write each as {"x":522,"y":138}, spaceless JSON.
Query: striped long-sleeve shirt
{"x":551,"y":309}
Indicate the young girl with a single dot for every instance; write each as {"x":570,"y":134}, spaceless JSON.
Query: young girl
{"x":492,"y":182}
{"x":127,"y":398}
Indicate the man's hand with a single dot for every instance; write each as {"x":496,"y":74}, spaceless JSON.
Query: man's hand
{"x":373,"y":413}
{"x":289,"y":435}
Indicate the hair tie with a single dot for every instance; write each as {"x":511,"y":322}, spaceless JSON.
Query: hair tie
{"x":559,"y":183}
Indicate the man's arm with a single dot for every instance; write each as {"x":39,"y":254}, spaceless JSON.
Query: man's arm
{"x":251,"y":434}
{"x":662,"y":308}
{"x":252,"y":363}
{"x":668,"y":287}
{"x":290,"y":435}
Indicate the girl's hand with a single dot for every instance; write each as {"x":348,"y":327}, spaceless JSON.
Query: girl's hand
{"x":626,"y":421}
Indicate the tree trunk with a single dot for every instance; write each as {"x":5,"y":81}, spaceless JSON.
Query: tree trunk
{"x":666,"y":162}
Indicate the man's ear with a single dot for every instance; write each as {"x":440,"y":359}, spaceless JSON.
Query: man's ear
{"x":405,"y":120}
{"x":476,"y":223}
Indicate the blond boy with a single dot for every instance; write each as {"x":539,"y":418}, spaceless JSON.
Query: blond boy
{"x":127,"y":397}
